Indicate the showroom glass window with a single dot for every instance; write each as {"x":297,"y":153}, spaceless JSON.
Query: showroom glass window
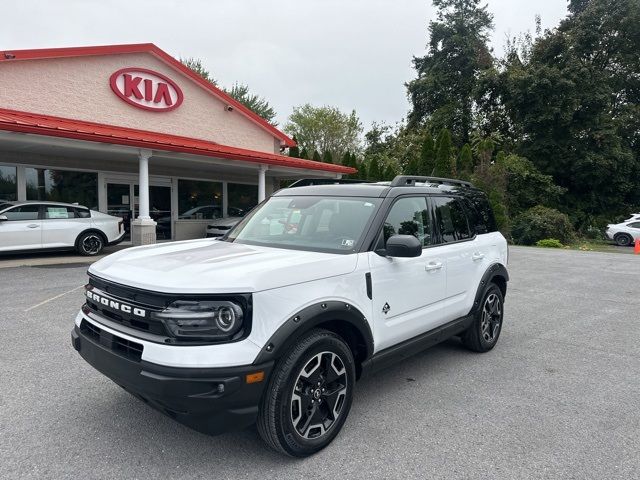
{"x":62,"y":186}
{"x":242,"y":198}
{"x":199,"y":200}
{"x":8,"y":184}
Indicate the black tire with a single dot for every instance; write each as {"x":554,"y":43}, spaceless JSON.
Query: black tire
{"x":623,"y":239}
{"x":90,"y":244}
{"x":293,"y":400}
{"x":485,"y":330}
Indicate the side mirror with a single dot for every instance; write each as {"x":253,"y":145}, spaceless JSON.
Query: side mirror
{"x":403,"y":246}
{"x":3,"y":218}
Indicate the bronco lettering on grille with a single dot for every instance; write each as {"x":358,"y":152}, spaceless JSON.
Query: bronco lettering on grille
{"x":115,"y":305}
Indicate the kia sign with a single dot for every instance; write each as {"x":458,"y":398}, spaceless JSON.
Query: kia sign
{"x":146,"y":89}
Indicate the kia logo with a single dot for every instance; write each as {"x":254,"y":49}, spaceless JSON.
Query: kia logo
{"x":146,"y":89}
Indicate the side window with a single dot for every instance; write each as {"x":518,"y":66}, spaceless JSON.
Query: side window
{"x":52,"y":212}
{"x":82,"y":213}
{"x":409,"y":216}
{"x":451,"y":219}
{"x":634,"y":225}
{"x":23,"y":212}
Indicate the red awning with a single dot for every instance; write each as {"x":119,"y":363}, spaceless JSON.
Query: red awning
{"x":15,"y":121}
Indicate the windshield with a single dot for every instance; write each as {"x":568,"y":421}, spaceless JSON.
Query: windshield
{"x":323,"y":224}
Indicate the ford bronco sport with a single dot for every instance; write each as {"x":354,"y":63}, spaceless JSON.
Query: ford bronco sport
{"x":276,"y":321}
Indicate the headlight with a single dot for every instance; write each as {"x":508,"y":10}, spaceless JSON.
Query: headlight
{"x":204,"y":320}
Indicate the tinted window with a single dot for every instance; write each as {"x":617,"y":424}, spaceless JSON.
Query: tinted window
{"x":634,"y":225}
{"x":62,"y":186}
{"x":52,"y":212}
{"x":242,"y":198}
{"x":409,"y":216}
{"x":198,"y":200}
{"x":82,"y":213}
{"x":451,"y":219}
{"x":8,"y":184}
{"x":23,"y":212}
{"x":481,"y":219}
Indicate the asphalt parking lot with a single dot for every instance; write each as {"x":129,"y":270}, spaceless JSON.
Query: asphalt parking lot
{"x":558,"y":398}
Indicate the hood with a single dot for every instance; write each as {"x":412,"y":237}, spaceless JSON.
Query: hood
{"x":211,"y":266}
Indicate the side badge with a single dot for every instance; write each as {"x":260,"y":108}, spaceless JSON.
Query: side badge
{"x":386,"y":308}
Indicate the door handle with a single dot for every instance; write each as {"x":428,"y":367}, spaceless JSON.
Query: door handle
{"x":33,"y":225}
{"x":433,"y":266}
{"x":477,"y":256}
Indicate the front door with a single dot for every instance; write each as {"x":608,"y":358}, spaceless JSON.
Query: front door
{"x":22,"y":229}
{"x":408,"y":293}
{"x":120,"y":204}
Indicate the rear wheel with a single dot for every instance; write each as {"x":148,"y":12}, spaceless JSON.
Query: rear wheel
{"x":89,"y":244}
{"x":485,"y":330}
{"x":309,"y":395}
{"x":623,"y":239}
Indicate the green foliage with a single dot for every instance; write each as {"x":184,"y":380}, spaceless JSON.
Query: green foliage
{"x":465,"y":161}
{"x":444,"y":154}
{"x":374,"y":171}
{"x":195,"y":64}
{"x":304,"y":153}
{"x":253,"y":102}
{"x":427,"y":156}
{"x":390,"y":171}
{"x":549,"y":243}
{"x":316,"y":156}
{"x":294,"y":151}
{"x":444,"y":91}
{"x":327,"y":157}
{"x":539,"y":223}
{"x":325,"y":129}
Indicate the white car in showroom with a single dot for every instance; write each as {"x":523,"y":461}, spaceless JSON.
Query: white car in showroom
{"x":625,"y":233}
{"x":35,"y":225}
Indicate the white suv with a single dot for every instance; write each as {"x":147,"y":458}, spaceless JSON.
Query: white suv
{"x":275,"y":322}
{"x":35,"y":225}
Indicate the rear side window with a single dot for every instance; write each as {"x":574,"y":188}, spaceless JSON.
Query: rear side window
{"x":634,"y":225}
{"x":52,"y":212}
{"x":451,"y":219}
{"x":481,"y":219}
{"x":82,"y":213}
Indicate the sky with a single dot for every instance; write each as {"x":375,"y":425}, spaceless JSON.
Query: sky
{"x":352,"y":54}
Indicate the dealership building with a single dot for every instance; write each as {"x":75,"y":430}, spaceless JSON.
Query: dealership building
{"x":128,"y":130}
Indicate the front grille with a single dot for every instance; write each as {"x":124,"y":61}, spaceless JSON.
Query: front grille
{"x":118,"y":345}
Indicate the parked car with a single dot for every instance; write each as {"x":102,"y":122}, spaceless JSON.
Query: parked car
{"x":276,"y":322}
{"x":36,"y":225}
{"x":625,"y":233}
{"x":221,"y":226}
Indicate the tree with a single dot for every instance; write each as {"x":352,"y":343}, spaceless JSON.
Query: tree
{"x":295,"y":150}
{"x":304,"y":153}
{"x":427,"y":155}
{"x":444,"y":92}
{"x":465,"y":161}
{"x":238,"y":91}
{"x":374,"y":171}
{"x":253,"y":102}
{"x":327,"y":157}
{"x":195,"y":64}
{"x":316,"y":156}
{"x":325,"y":129}
{"x":443,"y":154}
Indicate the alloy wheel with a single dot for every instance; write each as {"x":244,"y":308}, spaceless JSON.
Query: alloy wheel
{"x":318,"y":395}
{"x":491,"y":318}
{"x":91,"y":244}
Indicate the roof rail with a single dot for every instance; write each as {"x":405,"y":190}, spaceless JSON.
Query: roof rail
{"x":411,"y":180}
{"x":306,"y":182}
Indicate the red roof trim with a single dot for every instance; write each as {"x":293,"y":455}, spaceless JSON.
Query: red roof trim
{"x":33,"y":54}
{"x":25,"y":122}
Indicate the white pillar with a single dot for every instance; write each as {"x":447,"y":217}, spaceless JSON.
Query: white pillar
{"x":261,"y":182}
{"x":143,"y":184}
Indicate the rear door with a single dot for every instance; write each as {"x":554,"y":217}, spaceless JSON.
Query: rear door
{"x":466,"y":254}
{"x":61,"y":226}
{"x":22,"y":230}
{"x":407,"y":293}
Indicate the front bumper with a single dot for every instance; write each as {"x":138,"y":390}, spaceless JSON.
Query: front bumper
{"x":210,"y":400}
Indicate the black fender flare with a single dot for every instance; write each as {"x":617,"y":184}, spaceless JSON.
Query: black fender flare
{"x":326,"y":312}
{"x":495,"y":271}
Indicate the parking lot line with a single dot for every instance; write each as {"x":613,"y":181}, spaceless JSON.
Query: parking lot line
{"x":53,"y":298}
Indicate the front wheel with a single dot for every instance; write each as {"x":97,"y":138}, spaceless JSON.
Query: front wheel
{"x":483,"y":333}
{"x":89,"y":244}
{"x":309,"y":395}
{"x":623,"y":239}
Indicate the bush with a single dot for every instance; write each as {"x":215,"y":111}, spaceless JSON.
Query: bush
{"x":539,"y":223}
{"x":549,"y":243}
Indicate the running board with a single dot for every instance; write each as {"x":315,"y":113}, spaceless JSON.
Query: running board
{"x":410,"y":347}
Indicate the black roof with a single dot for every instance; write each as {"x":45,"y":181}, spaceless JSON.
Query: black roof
{"x":399,"y":186}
